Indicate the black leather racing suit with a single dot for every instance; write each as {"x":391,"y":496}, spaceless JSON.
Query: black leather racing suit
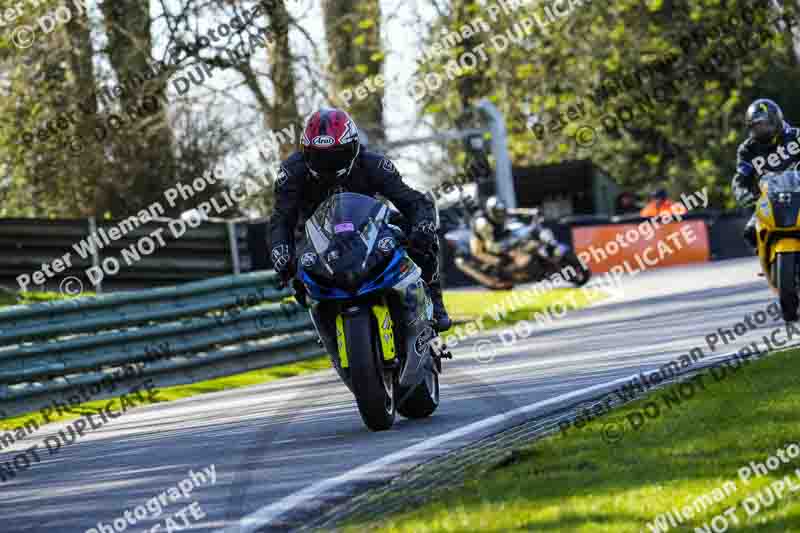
{"x":298,"y":194}
{"x":755,"y":159}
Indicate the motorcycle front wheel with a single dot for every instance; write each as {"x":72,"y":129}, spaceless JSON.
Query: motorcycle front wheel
{"x":373,"y":386}
{"x":784,"y":274}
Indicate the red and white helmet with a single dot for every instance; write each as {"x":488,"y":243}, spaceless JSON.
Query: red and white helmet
{"x":330,"y":144}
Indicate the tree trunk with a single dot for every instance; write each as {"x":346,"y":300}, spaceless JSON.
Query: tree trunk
{"x":283,"y":112}
{"x":142,"y":147}
{"x":352,"y":31}
{"x":92,"y":162}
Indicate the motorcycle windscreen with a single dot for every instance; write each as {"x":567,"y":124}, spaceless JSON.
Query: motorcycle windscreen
{"x":783,"y":190}
{"x":344,"y":229}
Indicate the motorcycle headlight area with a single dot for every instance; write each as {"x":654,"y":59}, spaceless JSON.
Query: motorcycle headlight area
{"x":785,"y":208}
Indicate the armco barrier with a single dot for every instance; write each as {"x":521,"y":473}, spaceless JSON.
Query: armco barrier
{"x":173,"y":335}
{"x":726,"y":236}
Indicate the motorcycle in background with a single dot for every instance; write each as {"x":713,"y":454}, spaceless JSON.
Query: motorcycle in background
{"x":525,"y":258}
{"x":371,"y":309}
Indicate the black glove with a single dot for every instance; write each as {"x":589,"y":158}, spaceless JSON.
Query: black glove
{"x":283,"y":262}
{"x":747,"y":199}
{"x":745,"y":196}
{"x":423,"y":236}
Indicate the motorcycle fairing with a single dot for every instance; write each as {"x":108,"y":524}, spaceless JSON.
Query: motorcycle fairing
{"x":386,"y":332}
{"x":418,"y":315}
{"x":342,"y":244}
{"x":393,"y":274}
{"x":778,"y":217}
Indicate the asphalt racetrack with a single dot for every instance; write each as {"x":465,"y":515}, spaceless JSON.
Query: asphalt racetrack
{"x":284,"y":450}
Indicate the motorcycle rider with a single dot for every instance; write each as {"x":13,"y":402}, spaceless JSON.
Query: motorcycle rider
{"x":332,"y":161}
{"x":489,"y":230}
{"x":766,"y":149}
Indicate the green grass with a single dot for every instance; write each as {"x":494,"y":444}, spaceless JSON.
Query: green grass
{"x":464,"y":305}
{"x":9,"y":298}
{"x":578,"y":482}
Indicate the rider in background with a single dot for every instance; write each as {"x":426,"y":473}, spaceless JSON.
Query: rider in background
{"x":489,"y":229}
{"x":661,"y":204}
{"x":333,"y":161}
{"x":772,"y":146}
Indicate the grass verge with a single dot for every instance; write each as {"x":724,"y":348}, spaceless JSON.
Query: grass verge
{"x":580,"y":482}
{"x":502,"y":308}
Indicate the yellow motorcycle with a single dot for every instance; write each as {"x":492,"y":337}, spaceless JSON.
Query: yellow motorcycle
{"x":778,"y":236}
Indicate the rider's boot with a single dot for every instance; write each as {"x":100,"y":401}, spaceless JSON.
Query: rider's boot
{"x":441,"y":320}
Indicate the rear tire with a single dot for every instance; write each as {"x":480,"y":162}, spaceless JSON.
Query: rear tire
{"x":785,"y":276}
{"x":373,"y":387}
{"x":424,"y":399}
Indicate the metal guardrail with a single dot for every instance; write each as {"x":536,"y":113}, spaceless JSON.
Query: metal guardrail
{"x":173,"y":335}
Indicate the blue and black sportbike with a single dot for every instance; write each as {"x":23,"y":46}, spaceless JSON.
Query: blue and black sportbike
{"x":371,"y":308}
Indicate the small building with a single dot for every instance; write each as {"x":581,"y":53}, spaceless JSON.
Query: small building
{"x":564,"y":189}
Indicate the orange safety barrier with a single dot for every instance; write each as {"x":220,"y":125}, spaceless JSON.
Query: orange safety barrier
{"x":603,"y":247}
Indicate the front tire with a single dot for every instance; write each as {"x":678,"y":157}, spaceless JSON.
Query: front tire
{"x":373,"y":386}
{"x":785,"y":276}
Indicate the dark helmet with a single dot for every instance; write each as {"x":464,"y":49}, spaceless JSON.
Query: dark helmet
{"x":764,"y":120}
{"x":330,"y":144}
{"x":496,"y":210}
{"x":659,"y":194}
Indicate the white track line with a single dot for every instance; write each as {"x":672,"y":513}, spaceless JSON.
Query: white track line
{"x":264,"y":516}
{"x":267,"y":514}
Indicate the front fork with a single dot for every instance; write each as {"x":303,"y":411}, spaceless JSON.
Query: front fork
{"x":409,"y":350}
{"x":331,"y":328}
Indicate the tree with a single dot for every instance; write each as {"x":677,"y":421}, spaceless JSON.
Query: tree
{"x":352,"y":31}
{"x":607,"y":63}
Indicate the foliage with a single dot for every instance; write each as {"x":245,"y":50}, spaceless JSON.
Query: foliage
{"x":687,"y":140}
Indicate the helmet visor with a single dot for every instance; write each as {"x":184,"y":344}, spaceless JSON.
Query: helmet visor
{"x":330,"y":163}
{"x":762,"y":129}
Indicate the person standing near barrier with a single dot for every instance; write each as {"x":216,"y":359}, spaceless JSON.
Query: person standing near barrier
{"x":773,"y":145}
{"x":661,"y":204}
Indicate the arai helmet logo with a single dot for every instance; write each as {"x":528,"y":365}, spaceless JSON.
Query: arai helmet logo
{"x":323,"y":140}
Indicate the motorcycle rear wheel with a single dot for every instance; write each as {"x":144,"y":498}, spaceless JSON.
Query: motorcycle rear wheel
{"x":785,"y":275}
